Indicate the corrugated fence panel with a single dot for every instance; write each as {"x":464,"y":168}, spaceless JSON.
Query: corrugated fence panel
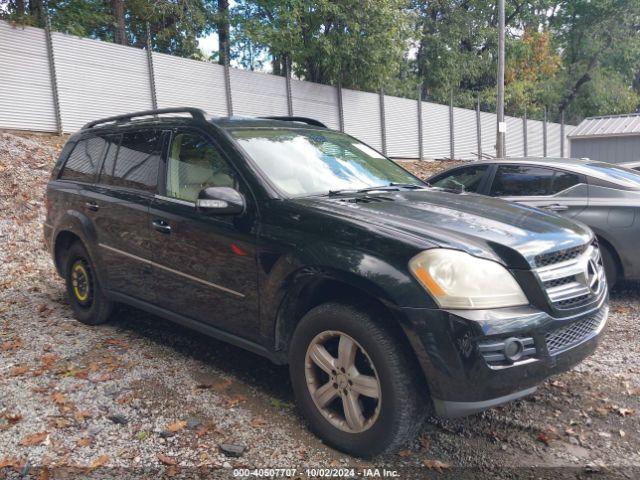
{"x":26,"y":99}
{"x":435,"y":130}
{"x":258,"y":94}
{"x":362,"y":116}
{"x":401,"y":121}
{"x":316,"y":101}
{"x":98,"y":79}
{"x":567,"y":144}
{"x":534,"y":138}
{"x":464,"y":132}
{"x":553,"y":139}
{"x":488,"y":124}
{"x":181,"y":82}
{"x":515,"y":137}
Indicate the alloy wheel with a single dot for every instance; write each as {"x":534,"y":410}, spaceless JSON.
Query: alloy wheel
{"x":343,"y":381}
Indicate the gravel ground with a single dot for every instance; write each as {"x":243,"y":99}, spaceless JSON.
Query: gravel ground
{"x":141,"y":393}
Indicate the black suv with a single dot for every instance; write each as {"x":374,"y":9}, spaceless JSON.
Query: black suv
{"x":387,"y":298}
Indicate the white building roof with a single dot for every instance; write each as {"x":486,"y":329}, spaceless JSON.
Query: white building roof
{"x":608,"y":126}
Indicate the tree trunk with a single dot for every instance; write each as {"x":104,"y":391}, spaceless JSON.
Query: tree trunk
{"x":20,"y":8}
{"x":36,"y":10}
{"x":223,"y":31}
{"x":119,"y":30}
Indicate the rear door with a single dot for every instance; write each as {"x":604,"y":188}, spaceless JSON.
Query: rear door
{"x":551,"y":189}
{"x":120,"y":203}
{"x":204,"y":264}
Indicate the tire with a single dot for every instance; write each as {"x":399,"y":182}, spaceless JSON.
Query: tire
{"x":393,"y":418}
{"x":90,"y":305}
{"x":610,"y":265}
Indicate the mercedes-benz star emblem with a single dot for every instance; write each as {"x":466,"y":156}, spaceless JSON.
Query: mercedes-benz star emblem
{"x":591,"y":275}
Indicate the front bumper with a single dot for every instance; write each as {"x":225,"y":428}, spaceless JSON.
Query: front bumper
{"x":464,"y":379}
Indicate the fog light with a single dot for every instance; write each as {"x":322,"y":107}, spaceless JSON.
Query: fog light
{"x":513,"y":349}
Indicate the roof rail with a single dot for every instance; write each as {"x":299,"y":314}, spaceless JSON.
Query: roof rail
{"x":308,"y":121}
{"x":196,"y":113}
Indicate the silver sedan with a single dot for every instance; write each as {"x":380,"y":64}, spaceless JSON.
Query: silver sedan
{"x":604,"y":196}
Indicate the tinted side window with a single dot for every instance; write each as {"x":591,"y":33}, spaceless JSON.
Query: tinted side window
{"x":467,"y":179}
{"x":563,"y":180}
{"x":83,"y":160}
{"x":530,"y":181}
{"x":109,"y":165}
{"x":136,"y":161}
{"x":522,"y":180}
{"x":195,"y":163}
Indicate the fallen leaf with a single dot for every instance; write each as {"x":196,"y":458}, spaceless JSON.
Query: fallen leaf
{"x":99,"y":462}
{"x":167,"y":460}
{"x":234,"y":400}
{"x":425,"y":442}
{"x":258,"y":422}
{"x":84,"y":442}
{"x":623,"y":412}
{"x":436,"y":465}
{"x":176,"y":426}
{"x":35,"y":439}
{"x":58,"y":398}
{"x":405,"y":453}
{"x":12,"y":418}
{"x":622,"y":433}
{"x":17,"y":371}
{"x":544,"y":437}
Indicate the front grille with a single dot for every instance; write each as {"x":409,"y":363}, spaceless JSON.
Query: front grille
{"x":575,"y":333}
{"x":572,"y":277}
{"x":545,"y":259}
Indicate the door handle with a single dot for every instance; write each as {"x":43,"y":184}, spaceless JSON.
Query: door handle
{"x":93,"y":206}
{"x":557,"y":207}
{"x":161,"y":226}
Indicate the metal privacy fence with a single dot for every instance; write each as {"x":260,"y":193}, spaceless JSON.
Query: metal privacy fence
{"x":55,"y":82}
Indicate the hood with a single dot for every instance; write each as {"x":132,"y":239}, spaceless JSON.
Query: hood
{"x":482,"y":226}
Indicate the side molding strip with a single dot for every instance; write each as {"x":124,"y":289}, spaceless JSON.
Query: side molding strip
{"x":182,"y":274}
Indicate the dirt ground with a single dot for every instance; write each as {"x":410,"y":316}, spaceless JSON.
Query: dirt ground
{"x":140,"y":396}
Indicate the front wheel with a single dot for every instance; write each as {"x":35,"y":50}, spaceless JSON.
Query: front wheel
{"x":354,"y":382}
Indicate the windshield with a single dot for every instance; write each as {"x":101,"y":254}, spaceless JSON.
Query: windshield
{"x":310,"y":162}
{"x":617,"y":174}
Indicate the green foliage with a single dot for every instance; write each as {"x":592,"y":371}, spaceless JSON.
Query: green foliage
{"x":577,"y":57}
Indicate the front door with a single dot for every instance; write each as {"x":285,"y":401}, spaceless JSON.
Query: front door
{"x":204,"y":264}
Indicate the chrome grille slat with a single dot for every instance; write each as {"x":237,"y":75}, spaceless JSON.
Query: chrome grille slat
{"x":575,"y":279}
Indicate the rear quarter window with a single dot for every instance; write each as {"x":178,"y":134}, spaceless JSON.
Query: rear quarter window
{"x":83,"y":161}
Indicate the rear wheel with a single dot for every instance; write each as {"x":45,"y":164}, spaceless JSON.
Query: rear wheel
{"x":353,"y":381}
{"x":89,"y":303}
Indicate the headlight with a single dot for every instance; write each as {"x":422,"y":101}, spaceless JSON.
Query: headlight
{"x":459,"y":280}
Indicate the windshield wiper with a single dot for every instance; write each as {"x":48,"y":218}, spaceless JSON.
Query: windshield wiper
{"x":383,"y":188}
{"x":412,"y":186}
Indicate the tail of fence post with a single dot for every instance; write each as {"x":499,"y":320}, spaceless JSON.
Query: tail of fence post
{"x":420,"y":138}
{"x":340,"y":107}
{"x":152,"y":76}
{"x":479,"y":130}
{"x":562,"y":133}
{"x":544,"y":133}
{"x":383,"y":126}
{"x":452,"y":143}
{"x":52,"y":72}
{"x":288,"y":86}
{"x":524,"y":133}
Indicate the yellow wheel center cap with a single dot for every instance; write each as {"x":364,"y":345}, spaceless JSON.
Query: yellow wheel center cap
{"x":80,"y":282}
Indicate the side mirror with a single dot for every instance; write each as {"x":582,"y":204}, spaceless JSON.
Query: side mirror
{"x":220,"y":201}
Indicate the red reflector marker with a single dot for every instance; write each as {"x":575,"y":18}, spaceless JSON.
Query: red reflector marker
{"x":237,"y":250}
